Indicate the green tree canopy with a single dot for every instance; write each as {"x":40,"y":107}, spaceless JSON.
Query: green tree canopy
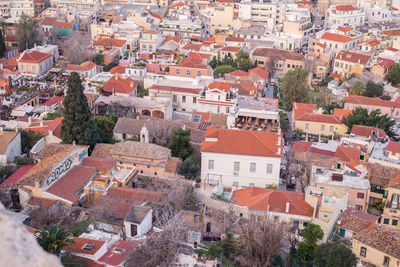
{"x":332,"y":255}
{"x":53,"y":115}
{"x":54,"y":240}
{"x":311,"y":235}
{"x":2,"y":45}
{"x":220,"y":71}
{"x":99,"y":59}
{"x":358,"y":88}
{"x":243,"y":60}
{"x":180,"y":144}
{"x":190,"y":167}
{"x":27,"y":32}
{"x":77,"y":125}
{"x":394,"y":74}
{"x":360,"y":116}
{"x":105,"y":127}
{"x":295,"y":86}
{"x":373,"y":89}
{"x":28,"y":140}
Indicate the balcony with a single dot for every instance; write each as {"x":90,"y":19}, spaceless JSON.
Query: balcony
{"x":256,"y":124}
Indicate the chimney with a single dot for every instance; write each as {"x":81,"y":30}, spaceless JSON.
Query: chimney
{"x":37,"y":183}
{"x":358,"y":61}
{"x":340,"y":56}
{"x":41,"y":124}
{"x":279,"y":151}
{"x":287,"y":207}
{"x":50,"y":132}
{"x":116,"y":77}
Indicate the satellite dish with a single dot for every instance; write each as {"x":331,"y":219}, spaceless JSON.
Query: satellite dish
{"x":339,"y":222}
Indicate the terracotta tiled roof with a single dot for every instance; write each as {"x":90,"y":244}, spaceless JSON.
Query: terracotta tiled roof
{"x":172,"y":165}
{"x":342,"y":113}
{"x":70,"y":184}
{"x":373,"y":42}
{"x":385,"y":62}
{"x":344,"y":29}
{"x":33,"y":57}
{"x":117,"y":70}
{"x":64,"y":25}
{"x":369,"y":101}
{"x":223,"y":86}
{"x":301,"y":146}
{"x":173,"y":38}
{"x":191,"y":47}
{"x":194,"y":60}
{"x":346,"y":8}
{"x":231,"y":49}
{"x":395,"y":182}
{"x":42,"y":202}
{"x":79,"y":244}
{"x":280,"y":54}
{"x":133,"y":195}
{"x":241,"y":142}
{"x":5,"y":139}
{"x":353,"y":57}
{"x":239,"y":73}
{"x":85,"y":66}
{"x":336,"y":37}
{"x":120,"y":85}
{"x":195,"y":91}
{"x":382,"y":238}
{"x":381,"y":175}
{"x":48,"y":21}
{"x":108,"y":42}
{"x":176,"y":5}
{"x":17,"y":175}
{"x":260,"y":72}
{"x":316,"y":117}
{"x":99,"y":163}
{"x":235,"y":39}
{"x":302,"y":108}
{"x":366,"y":131}
{"x":246,"y":89}
{"x":348,"y":154}
{"x":54,"y":100}
{"x":118,"y":252}
{"x":356,"y":221}
{"x":392,"y":49}
{"x":393,"y":32}
{"x":48,"y":126}
{"x":264,"y":199}
{"x":393,"y":146}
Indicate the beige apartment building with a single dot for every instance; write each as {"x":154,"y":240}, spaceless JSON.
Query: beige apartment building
{"x":34,"y":62}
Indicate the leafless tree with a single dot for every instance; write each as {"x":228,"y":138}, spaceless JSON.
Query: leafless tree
{"x":43,"y":217}
{"x":292,"y":239}
{"x":176,"y":196}
{"x":160,"y":131}
{"x":270,"y":64}
{"x":160,"y":248}
{"x":297,"y":170}
{"x":77,"y":48}
{"x":260,"y":241}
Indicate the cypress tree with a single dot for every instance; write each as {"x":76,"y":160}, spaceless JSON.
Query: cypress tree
{"x":77,"y":125}
{"x":2,"y":45}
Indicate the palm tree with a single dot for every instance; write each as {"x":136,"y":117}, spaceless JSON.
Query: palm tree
{"x":55,"y":239}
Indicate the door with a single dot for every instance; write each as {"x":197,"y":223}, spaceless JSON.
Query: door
{"x":342,"y":232}
{"x":133,"y":229}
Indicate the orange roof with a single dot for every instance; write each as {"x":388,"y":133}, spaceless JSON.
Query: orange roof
{"x":80,"y":243}
{"x":341,"y":112}
{"x":45,"y":127}
{"x":260,"y":72}
{"x":85,"y":66}
{"x":392,"y":32}
{"x":336,"y":37}
{"x":235,"y":39}
{"x":231,"y":49}
{"x":369,"y":101}
{"x":346,"y":8}
{"x":321,"y":45}
{"x":239,"y":73}
{"x":194,"y":60}
{"x":344,"y":29}
{"x":301,"y":146}
{"x":117,"y":69}
{"x":176,"y":5}
{"x":241,"y":142}
{"x":366,"y":131}
{"x":353,"y":57}
{"x":222,"y":86}
{"x":302,"y":108}
{"x":99,"y":163}
{"x":33,"y":57}
{"x":64,"y":25}
{"x":264,"y":199}
{"x":120,"y":85}
{"x":393,"y":147}
{"x":373,"y":42}
{"x":348,"y":154}
{"x":316,"y":117}
{"x":109,"y":42}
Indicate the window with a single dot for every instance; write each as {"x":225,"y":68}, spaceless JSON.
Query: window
{"x":199,"y":73}
{"x":307,"y":125}
{"x":194,"y":100}
{"x":227,"y":109}
{"x":183,"y":98}
{"x":322,"y":128}
{"x":236,"y":166}
{"x":386,"y":221}
{"x":252,"y":167}
{"x":363,"y":251}
{"x":251,"y":184}
{"x":177,"y":71}
{"x":360,"y":195}
{"x":269,"y":168}
{"x":211,"y":164}
{"x":386,"y":260}
{"x":188,"y":73}
{"x":362,"y":157}
{"x":394,"y":222}
{"x":174,"y":98}
{"x":235,"y":183}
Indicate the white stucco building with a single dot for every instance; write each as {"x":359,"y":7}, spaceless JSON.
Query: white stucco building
{"x":138,"y":221}
{"x":10,"y":146}
{"x":241,"y":158}
{"x":344,"y":15}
